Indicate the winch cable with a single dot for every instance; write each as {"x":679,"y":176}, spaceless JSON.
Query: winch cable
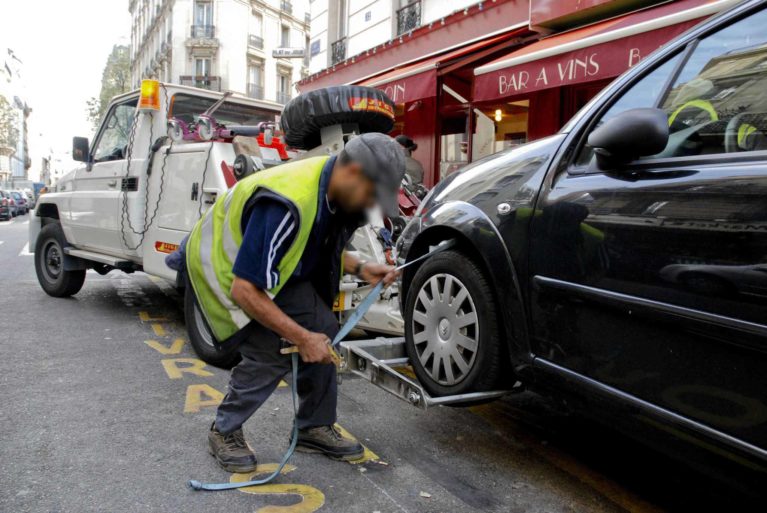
{"x":350,"y":323}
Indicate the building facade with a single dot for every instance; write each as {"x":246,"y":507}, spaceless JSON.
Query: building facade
{"x":14,"y":114}
{"x":479,"y":78}
{"x":223,"y":45}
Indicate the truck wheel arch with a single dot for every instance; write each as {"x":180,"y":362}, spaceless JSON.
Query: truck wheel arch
{"x":482,"y":242}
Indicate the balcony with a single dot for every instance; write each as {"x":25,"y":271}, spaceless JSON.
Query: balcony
{"x":408,"y":18}
{"x":283,"y":97}
{"x":203,"y":82}
{"x":256,"y":91}
{"x":256,"y":42}
{"x":286,"y":7}
{"x":203,"y":31}
{"x":338,"y":51}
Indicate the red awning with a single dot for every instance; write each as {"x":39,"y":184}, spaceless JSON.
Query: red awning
{"x":599,"y":51}
{"x":418,"y":80}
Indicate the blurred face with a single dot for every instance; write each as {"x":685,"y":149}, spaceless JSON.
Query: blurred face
{"x":351,"y":189}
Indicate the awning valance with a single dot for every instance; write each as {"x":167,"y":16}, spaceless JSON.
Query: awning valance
{"x":598,"y":51}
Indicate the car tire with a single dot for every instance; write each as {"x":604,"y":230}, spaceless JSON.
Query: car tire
{"x":305,"y":115}
{"x":201,"y":337}
{"x":49,"y":264}
{"x":451,"y":314}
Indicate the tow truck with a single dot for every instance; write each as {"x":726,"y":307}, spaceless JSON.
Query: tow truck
{"x":159,"y":160}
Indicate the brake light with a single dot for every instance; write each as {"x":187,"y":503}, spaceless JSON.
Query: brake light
{"x":4,"y":202}
{"x":150,"y":96}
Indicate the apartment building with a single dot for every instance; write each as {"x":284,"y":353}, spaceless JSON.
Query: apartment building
{"x":223,"y":45}
{"x":345,"y":28}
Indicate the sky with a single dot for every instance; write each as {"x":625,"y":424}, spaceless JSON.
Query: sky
{"x":64,"y":47}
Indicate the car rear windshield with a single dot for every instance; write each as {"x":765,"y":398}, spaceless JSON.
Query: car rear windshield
{"x":185,"y":107}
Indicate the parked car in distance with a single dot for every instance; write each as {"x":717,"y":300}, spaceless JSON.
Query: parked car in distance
{"x":31,"y":201}
{"x":6,"y":206}
{"x":619,"y":265}
{"x":21,"y":202}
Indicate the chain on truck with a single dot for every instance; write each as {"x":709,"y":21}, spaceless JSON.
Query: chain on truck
{"x":162,"y":156}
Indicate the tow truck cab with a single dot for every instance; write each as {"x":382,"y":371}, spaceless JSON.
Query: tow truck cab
{"x":137,"y":193}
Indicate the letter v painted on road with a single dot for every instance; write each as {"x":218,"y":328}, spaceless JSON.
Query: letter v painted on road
{"x":174,"y":348}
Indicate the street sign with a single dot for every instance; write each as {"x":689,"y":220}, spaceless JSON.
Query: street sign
{"x":288,"y":53}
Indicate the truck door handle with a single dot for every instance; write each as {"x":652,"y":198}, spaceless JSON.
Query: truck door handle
{"x":112,"y":183}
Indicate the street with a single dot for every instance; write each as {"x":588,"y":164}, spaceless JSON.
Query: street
{"x":106,"y":409}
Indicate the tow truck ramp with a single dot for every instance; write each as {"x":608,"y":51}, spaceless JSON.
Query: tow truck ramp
{"x":378,"y":360}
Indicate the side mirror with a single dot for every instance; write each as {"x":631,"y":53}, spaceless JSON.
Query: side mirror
{"x":81,"y":149}
{"x":629,"y":135}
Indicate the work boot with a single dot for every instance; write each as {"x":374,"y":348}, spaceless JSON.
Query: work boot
{"x":231,"y":451}
{"x":328,"y":441}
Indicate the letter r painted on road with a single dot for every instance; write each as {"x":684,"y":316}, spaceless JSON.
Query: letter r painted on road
{"x":192,"y":366}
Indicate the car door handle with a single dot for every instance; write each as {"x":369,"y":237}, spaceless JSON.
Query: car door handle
{"x":112,"y":183}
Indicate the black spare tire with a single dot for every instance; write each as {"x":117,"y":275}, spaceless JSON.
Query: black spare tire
{"x":305,"y":115}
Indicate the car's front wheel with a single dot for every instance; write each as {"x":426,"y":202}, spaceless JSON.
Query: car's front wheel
{"x":200,"y":336}
{"x":55,"y":280}
{"x":451,"y":326}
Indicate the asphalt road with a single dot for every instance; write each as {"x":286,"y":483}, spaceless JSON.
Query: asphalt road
{"x":105,"y":408}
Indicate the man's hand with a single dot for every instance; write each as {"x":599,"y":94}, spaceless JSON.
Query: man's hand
{"x":315,"y":348}
{"x":373,"y":273}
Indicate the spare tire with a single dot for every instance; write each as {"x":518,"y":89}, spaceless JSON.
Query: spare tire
{"x":305,"y":115}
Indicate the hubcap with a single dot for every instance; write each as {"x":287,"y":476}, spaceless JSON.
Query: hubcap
{"x":445,"y":329}
{"x":52,"y":258}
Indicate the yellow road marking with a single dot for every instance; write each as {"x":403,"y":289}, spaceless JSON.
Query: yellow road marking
{"x":201,"y":396}
{"x":174,"y":348}
{"x":368,"y":455}
{"x":159,"y":330}
{"x":311,"y":498}
{"x":145,"y":317}
{"x":194,"y":366}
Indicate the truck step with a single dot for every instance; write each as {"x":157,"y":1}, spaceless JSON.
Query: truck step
{"x":377,"y":360}
{"x":101,"y":258}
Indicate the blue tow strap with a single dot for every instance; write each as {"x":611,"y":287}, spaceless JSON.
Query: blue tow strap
{"x":349,"y":325}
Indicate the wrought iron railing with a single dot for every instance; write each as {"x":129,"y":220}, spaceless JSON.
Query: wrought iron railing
{"x":204,"y":31}
{"x":256,"y":42}
{"x":256,"y":91}
{"x":338,"y":51}
{"x":202,"y":81}
{"x":409,"y":18}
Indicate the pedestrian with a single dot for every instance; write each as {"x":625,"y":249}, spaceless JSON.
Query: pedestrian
{"x":413,"y":168}
{"x":265,"y":263}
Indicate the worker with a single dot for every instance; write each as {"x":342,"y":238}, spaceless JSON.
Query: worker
{"x":413,"y":168}
{"x":265,"y":264}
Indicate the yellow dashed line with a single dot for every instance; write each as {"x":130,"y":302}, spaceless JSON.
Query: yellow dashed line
{"x":159,"y":330}
{"x":146,"y":317}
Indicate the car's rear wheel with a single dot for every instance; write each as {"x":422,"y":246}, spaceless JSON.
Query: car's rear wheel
{"x":451,"y":326}
{"x":201,"y":337}
{"x":55,"y":280}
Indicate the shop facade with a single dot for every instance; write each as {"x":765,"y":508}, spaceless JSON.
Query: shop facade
{"x":522,"y":81}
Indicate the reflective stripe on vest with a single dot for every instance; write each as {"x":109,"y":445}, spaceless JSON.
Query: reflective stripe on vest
{"x":216,"y":239}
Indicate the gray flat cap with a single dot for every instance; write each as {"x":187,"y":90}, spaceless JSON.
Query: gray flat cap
{"x":383,"y":161}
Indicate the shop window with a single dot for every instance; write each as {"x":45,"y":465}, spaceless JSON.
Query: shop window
{"x":499,"y":126}
{"x":454,"y":141}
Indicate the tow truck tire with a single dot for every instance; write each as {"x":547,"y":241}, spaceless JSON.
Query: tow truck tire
{"x":451,"y":313}
{"x":49,"y":263}
{"x":201,"y":337}
{"x":305,"y":115}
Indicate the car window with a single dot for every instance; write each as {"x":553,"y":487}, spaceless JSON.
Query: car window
{"x":718,"y":103}
{"x":113,"y":139}
{"x":644,"y":93}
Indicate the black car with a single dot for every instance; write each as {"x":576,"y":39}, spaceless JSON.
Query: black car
{"x":620,"y":264}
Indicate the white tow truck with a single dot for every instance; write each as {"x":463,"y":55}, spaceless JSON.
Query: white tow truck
{"x":161,"y":157}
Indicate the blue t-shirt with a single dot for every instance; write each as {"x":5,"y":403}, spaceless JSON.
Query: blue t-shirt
{"x":271,"y":229}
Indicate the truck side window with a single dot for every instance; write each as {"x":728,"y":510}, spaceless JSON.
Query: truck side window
{"x":113,"y":139}
{"x":644,"y":93}
{"x":717,"y":104}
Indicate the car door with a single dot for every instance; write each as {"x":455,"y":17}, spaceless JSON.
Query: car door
{"x":95,"y":204}
{"x":651,"y":278}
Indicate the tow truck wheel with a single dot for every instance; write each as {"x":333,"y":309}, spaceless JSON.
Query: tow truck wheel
{"x":452,"y":332}
{"x":200,"y":336}
{"x":55,"y":280}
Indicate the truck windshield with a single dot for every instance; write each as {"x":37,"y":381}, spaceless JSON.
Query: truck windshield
{"x":186,"y":107}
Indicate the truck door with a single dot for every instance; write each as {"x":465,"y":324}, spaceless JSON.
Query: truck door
{"x":96,"y":198}
{"x":654,"y":281}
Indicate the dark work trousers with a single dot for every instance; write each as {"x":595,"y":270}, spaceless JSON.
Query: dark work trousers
{"x":262,"y":367}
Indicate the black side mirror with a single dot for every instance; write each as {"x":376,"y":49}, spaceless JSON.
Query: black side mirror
{"x":629,"y":135}
{"x":81,"y":149}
